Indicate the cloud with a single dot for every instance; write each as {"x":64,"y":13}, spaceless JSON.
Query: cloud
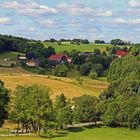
{"x":133,"y":12}
{"x":120,"y":21}
{"x":78,"y":10}
{"x":138,"y":29}
{"x":32,"y":8}
{"x":74,"y":24}
{"x":105,"y":13}
{"x":4,"y":20}
{"x":75,"y":10}
{"x":134,"y":3}
{"x":127,"y":21}
{"x":48,"y":22}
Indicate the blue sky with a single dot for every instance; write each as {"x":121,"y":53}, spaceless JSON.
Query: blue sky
{"x":91,"y":19}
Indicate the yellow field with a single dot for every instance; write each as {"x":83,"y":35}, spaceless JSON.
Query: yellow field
{"x":58,"y":85}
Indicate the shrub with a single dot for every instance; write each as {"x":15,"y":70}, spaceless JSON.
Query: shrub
{"x":93,"y":75}
{"x":12,"y":65}
{"x":60,"y":70}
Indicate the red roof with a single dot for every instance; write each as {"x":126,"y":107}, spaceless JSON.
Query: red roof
{"x":121,"y":53}
{"x":57,"y":57}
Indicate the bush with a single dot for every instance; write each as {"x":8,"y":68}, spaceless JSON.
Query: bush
{"x":93,"y":75}
{"x":60,"y":70}
{"x":12,"y":65}
{"x":41,"y":71}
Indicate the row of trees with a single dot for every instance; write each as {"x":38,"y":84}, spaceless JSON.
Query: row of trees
{"x":33,"y":110}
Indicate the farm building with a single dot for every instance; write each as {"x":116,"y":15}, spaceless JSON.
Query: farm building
{"x":87,"y":53}
{"x":120,"y":53}
{"x":32,"y":63}
{"x":59,"y":58}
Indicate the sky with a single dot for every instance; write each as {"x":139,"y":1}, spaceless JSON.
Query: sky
{"x":91,"y":19}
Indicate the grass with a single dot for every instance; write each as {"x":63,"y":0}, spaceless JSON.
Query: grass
{"x":82,"y":47}
{"x":103,"y":133}
{"x":9,"y":55}
{"x":7,"y":58}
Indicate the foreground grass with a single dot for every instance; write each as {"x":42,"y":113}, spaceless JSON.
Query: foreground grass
{"x":103,"y":133}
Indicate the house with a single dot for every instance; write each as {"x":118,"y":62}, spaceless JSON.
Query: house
{"x":32,"y":63}
{"x":69,"y":59}
{"x":121,"y":53}
{"x":59,"y":58}
{"x":21,"y":59}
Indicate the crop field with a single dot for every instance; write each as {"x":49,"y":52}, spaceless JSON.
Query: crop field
{"x":103,"y":133}
{"x":58,"y":85}
{"x":82,"y":47}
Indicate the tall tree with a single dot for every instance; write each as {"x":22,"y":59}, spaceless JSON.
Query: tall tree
{"x":4,"y":99}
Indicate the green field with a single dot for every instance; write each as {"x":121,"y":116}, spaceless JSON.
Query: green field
{"x":103,"y":133}
{"x":9,"y":55}
{"x":7,"y":58}
{"x":82,"y":47}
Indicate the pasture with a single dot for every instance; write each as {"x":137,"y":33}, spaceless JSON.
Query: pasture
{"x":89,"y":133}
{"x":82,"y":47}
{"x":7,"y":58}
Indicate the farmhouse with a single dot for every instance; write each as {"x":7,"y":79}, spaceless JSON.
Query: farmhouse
{"x":59,"y":58}
{"x":22,"y":58}
{"x":32,"y":63}
{"x":120,"y":53}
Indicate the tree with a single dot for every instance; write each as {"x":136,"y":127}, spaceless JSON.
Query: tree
{"x":97,"y":52}
{"x":61,"y":101}
{"x":85,"y":109}
{"x":100,"y":41}
{"x":93,"y":75}
{"x":86,"y":68}
{"x":64,"y":114}
{"x":59,"y":43}
{"x":121,"y":99}
{"x":110,"y":116}
{"x":32,"y":107}
{"x":85,"y":41}
{"x":4,"y":100}
{"x":119,"y":42}
{"x":121,"y":68}
{"x":60,"y":70}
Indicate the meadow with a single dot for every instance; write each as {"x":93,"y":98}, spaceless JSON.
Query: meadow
{"x":82,"y":47}
{"x":7,"y":58}
{"x":89,"y":133}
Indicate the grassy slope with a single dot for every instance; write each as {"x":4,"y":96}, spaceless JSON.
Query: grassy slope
{"x":103,"y":133}
{"x":10,"y":56}
{"x":82,"y":47}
